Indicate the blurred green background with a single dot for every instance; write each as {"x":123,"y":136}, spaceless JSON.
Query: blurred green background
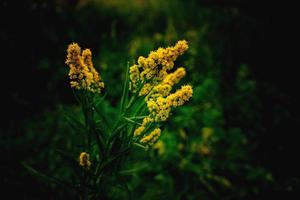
{"x":233,"y":140}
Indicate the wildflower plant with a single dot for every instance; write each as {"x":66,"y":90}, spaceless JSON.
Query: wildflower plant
{"x":148,"y":98}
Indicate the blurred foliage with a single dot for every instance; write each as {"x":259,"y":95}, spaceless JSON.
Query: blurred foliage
{"x":213,"y":155}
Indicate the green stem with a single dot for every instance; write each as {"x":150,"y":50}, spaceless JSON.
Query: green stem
{"x":141,"y":146}
{"x":132,"y":121}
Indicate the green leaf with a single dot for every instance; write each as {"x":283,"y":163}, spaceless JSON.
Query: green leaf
{"x":134,"y":170}
{"x":74,"y":122}
{"x":131,"y":121}
{"x":47,"y":178}
{"x":124,"y":97}
{"x":103,"y":117}
{"x":68,"y":158}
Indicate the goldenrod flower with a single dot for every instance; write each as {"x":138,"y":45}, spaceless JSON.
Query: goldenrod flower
{"x":82,"y":72}
{"x":134,"y":77}
{"x":146,"y":89}
{"x":159,"y":109}
{"x":162,"y":90}
{"x":160,"y":146}
{"x":180,"y":96}
{"x":163,"y":112}
{"x":84,"y":160}
{"x":152,"y":106}
{"x":87,"y":59}
{"x":173,"y":78}
{"x":139,"y":131}
{"x":153,"y":69}
{"x":147,"y":120}
{"x":153,"y":76}
{"x":152,"y":137}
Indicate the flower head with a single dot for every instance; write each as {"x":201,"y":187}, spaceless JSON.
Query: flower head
{"x":84,"y":160}
{"x":82,"y":73}
{"x":152,"y":77}
{"x":154,"y":69}
{"x":180,"y":96}
{"x":139,"y":131}
{"x":152,"y":137}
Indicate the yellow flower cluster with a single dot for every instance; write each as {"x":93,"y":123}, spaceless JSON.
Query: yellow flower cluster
{"x":180,"y":96}
{"x":173,"y":78}
{"x":151,"y":78}
{"x":155,"y":67}
{"x":82,"y":73}
{"x":152,"y":137}
{"x":139,"y":130}
{"x":204,"y":147}
{"x":164,"y":88}
{"x":159,"y":109}
{"x":84,"y":160}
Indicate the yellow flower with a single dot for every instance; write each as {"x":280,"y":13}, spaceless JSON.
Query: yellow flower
{"x":160,"y":146}
{"x":146,"y":89}
{"x":147,"y":120}
{"x":152,"y":74}
{"x":159,"y":109}
{"x":139,"y":131}
{"x":93,"y":76}
{"x":155,"y":67}
{"x":152,"y":137}
{"x":152,"y":106}
{"x":163,"y":112}
{"x":162,"y":89}
{"x":82,"y":73}
{"x":173,"y":78}
{"x":84,"y":160}
{"x":207,"y":132}
{"x":203,"y":150}
{"x":180,"y":96}
{"x":134,"y":77}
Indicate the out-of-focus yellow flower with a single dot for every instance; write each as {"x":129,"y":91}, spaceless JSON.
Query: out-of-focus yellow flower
{"x":180,"y":146}
{"x":203,"y":150}
{"x":207,"y":132}
{"x":82,"y":73}
{"x":160,"y":146}
{"x":84,"y":160}
{"x":183,"y":134}
{"x":152,"y":137}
